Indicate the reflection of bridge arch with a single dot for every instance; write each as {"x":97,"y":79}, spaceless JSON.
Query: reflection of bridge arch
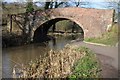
{"x":42,"y":30}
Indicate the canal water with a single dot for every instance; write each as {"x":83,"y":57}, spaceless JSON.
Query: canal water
{"x":24,"y":54}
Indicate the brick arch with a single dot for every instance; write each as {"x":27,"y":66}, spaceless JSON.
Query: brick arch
{"x":63,"y":18}
{"x":44,"y":27}
{"x":92,"y":21}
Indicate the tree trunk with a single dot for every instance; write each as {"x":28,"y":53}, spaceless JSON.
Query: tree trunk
{"x":31,"y":27}
{"x":47,"y":4}
{"x":53,"y":28}
{"x":73,"y":27}
{"x":24,"y":33}
{"x":10,"y":23}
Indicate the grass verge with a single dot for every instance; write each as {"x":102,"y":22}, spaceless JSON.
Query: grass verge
{"x":86,"y":67}
{"x":109,"y":38}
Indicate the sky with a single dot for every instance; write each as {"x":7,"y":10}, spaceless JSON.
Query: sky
{"x":99,"y":4}
{"x":64,"y":0}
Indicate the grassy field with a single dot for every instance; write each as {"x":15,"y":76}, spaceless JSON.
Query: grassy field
{"x":109,"y":38}
{"x":87,"y":67}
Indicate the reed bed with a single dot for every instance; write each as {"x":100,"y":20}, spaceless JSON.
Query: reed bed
{"x":56,"y":64}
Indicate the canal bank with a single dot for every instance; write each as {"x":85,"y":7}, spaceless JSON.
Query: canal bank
{"x":24,"y":54}
{"x":108,"y":57}
{"x":71,"y":61}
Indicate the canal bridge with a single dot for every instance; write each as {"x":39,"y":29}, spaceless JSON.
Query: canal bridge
{"x":94,"y":22}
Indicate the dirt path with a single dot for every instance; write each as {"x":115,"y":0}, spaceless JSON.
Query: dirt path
{"x":108,"y":57}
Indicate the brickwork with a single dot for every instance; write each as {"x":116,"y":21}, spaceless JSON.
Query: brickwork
{"x":94,"y":22}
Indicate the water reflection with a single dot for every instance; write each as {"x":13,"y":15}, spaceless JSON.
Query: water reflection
{"x":24,"y":54}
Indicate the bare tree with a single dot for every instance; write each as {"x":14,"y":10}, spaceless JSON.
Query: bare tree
{"x":50,"y":5}
{"x":77,"y":4}
{"x":27,"y":23}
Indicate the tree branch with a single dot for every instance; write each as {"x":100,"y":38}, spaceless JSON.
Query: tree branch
{"x":18,"y":23}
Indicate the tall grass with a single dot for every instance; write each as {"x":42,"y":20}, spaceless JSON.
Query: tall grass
{"x":86,"y":67}
{"x":68,"y":62}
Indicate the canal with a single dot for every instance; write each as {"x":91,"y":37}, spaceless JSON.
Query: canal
{"x":24,"y":54}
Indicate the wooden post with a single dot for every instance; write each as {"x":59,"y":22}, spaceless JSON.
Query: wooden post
{"x":10,"y":23}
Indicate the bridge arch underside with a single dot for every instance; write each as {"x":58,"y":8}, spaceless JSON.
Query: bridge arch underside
{"x":40,"y":34}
